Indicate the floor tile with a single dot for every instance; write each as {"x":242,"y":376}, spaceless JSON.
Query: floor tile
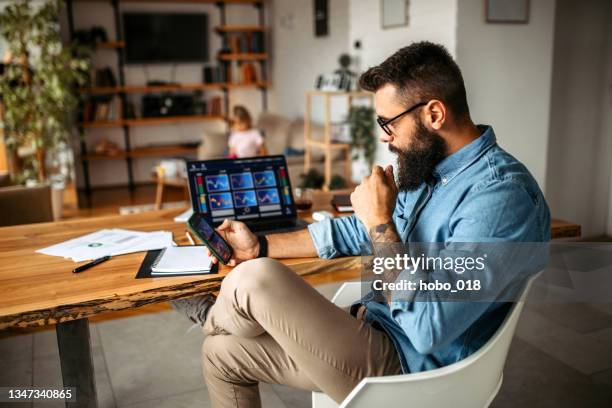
{"x":17,"y":373}
{"x":536,"y":380}
{"x":604,"y":377}
{"x":605,"y":307}
{"x":45,"y":342}
{"x":576,"y":316}
{"x":17,"y":347}
{"x":48,"y":373}
{"x":198,"y":398}
{"x":577,"y":350}
{"x":152,"y":356}
{"x":293,"y":397}
{"x":602,"y":335}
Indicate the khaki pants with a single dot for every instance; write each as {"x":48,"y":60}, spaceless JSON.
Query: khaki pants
{"x":269,"y":325}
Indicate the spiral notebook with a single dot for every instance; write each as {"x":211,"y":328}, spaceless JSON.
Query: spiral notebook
{"x":181,"y":259}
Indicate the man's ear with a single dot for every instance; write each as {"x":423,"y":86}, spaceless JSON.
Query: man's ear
{"x":435,"y":112}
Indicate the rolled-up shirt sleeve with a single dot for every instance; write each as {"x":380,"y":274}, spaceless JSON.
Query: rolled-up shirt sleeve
{"x":342,"y":236}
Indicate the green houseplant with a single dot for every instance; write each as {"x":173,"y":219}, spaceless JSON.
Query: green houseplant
{"x":37,"y":88}
{"x":363,"y":142}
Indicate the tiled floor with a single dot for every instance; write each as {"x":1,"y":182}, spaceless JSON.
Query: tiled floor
{"x":560,"y":357}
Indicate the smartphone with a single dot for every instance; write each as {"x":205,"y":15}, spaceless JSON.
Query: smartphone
{"x":205,"y":232}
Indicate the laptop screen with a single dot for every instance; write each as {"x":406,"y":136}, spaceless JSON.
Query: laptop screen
{"x":250,"y":189}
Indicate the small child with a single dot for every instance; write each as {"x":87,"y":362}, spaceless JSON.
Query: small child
{"x":244,"y":141}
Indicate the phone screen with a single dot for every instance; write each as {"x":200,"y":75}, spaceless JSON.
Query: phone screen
{"x":206,"y":233}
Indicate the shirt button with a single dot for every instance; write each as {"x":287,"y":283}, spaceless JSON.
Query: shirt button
{"x":444,"y":180}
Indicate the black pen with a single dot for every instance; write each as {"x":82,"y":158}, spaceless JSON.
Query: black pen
{"x":90,"y":264}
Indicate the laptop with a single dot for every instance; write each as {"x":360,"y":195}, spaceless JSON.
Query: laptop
{"x":254,"y":190}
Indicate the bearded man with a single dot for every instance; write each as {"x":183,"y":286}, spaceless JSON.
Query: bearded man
{"x":453,"y":183}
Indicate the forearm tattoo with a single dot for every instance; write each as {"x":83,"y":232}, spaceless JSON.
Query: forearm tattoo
{"x":386,"y":243}
{"x":384,"y":233}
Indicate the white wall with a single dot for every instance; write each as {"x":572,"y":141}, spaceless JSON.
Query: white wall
{"x":432,"y":20}
{"x":507,"y":72}
{"x":299,"y":56}
{"x":579,"y":153}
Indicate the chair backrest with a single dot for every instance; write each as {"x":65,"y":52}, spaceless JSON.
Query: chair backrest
{"x":25,"y":205}
{"x":471,"y":382}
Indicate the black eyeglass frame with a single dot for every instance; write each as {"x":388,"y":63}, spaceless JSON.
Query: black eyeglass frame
{"x":384,"y":124}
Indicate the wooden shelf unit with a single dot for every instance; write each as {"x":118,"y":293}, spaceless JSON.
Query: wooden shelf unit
{"x":247,"y":56}
{"x":150,"y":151}
{"x":110,"y":45}
{"x":144,"y":89}
{"x":122,"y":89}
{"x":151,"y":121}
{"x":327,"y":145}
{"x":171,"y":120}
{"x":246,"y":2}
{"x":239,"y":29}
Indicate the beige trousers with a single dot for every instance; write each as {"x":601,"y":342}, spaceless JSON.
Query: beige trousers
{"x":268,"y":325}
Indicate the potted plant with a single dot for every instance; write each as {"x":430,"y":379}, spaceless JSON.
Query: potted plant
{"x":37,"y":91}
{"x":363,"y":142}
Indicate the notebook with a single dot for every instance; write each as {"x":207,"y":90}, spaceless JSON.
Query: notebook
{"x":181,"y":259}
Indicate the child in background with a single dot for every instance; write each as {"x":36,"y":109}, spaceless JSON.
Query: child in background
{"x":244,"y":141}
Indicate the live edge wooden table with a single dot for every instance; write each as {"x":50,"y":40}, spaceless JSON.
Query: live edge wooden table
{"x":41,"y":290}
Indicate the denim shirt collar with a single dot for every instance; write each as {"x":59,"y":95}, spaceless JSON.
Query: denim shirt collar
{"x":454,"y":164}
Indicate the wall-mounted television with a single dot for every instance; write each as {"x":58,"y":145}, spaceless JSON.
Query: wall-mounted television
{"x":165,"y":37}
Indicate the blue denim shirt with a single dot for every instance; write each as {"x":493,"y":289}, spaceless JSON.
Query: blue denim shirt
{"x":479,"y":194}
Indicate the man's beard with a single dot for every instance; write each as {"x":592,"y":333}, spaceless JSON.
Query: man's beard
{"x":416,"y":165}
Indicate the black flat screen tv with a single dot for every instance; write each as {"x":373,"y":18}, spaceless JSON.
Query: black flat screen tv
{"x":165,"y":37}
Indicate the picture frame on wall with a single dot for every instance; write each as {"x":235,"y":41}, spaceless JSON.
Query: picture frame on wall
{"x":393,"y":13}
{"x":507,"y":11}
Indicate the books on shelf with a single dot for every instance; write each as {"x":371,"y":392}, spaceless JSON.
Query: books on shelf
{"x":214,"y":75}
{"x":245,"y":43}
{"x":102,"y":110}
{"x":215,"y":106}
{"x":240,"y":72}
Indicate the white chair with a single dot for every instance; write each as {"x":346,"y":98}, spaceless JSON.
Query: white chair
{"x":471,"y":382}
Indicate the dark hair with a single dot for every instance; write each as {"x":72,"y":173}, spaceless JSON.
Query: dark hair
{"x":243,"y":115}
{"x":421,"y":71}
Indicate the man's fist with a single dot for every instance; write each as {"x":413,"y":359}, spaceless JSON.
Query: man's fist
{"x":374,"y":199}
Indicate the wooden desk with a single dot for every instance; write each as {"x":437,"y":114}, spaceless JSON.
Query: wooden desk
{"x":37,"y":290}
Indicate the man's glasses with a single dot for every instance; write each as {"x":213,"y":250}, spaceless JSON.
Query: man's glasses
{"x":384,"y":123}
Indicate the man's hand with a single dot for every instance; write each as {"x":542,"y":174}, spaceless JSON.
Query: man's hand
{"x":244,"y":243}
{"x":374,"y":199}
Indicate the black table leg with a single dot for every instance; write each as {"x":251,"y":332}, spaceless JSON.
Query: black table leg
{"x":77,"y":362}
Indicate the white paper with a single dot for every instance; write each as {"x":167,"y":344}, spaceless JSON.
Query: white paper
{"x":109,"y":242}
